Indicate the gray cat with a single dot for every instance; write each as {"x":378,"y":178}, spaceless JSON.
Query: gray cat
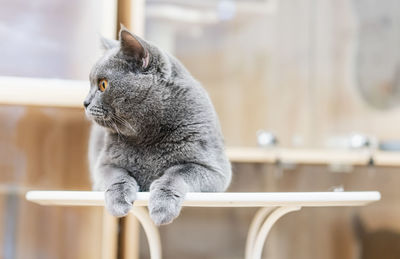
{"x":155,"y":130}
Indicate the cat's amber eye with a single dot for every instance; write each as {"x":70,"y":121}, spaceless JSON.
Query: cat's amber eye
{"x":103,"y":83}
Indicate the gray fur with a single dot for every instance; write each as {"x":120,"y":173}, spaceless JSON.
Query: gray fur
{"x":155,"y":130}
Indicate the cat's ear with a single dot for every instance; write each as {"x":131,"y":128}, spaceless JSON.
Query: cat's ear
{"x":132,"y":46}
{"x":108,"y":43}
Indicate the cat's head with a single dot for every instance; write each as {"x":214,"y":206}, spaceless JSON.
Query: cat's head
{"x":126,"y":83}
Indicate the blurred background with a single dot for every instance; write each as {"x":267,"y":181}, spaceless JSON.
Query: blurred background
{"x":307,"y":92}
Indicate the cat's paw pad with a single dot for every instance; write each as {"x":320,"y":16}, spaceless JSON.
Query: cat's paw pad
{"x":119,"y":199}
{"x":164,"y":206}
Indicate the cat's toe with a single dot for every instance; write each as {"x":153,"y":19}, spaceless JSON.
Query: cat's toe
{"x":119,"y":208}
{"x":164,"y":208}
{"x":119,"y":199}
{"x":162,"y":215}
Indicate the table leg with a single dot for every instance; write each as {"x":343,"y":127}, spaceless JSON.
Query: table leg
{"x":260,"y":227}
{"x":110,"y":236}
{"x":254,"y":229}
{"x":151,"y":231}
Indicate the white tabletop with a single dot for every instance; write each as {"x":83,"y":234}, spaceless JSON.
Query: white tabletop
{"x":226,"y":199}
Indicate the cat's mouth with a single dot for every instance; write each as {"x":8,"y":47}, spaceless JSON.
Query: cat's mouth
{"x":109,"y":120}
{"x":96,"y":113}
{"x":102,"y":120}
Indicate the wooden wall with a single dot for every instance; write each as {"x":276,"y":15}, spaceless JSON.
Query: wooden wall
{"x":296,"y":72}
{"x":43,"y":148}
{"x":310,"y":71}
{"x":307,"y":71}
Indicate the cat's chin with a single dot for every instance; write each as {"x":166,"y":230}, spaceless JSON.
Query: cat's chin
{"x":105,"y":126}
{"x":113,"y":128}
{"x":102,"y":122}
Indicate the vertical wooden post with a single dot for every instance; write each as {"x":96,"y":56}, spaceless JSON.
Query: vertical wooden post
{"x":138,"y":17}
{"x":109,"y":18}
{"x":130,"y":237}
{"x":109,"y":248}
{"x":131,"y":13}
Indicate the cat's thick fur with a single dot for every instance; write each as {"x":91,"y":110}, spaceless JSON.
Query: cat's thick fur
{"x":155,"y":130}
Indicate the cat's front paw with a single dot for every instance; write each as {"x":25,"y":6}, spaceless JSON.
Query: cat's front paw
{"x":119,"y":198}
{"x":164,"y":205}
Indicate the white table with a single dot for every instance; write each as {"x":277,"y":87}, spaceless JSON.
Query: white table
{"x":272,"y":207}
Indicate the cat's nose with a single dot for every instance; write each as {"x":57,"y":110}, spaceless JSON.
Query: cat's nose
{"x":86,"y":103}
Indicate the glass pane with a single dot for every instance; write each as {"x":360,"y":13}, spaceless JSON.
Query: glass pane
{"x":49,"y":38}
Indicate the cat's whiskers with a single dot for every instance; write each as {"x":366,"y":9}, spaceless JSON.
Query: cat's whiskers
{"x":120,"y":136}
{"x":113,"y":117}
{"x":123,"y":122}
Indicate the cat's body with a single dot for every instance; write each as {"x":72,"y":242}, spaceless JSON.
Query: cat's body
{"x":158,"y":131}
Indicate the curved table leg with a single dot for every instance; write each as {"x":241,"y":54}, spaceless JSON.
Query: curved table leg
{"x":254,"y":229}
{"x":151,"y":231}
{"x":258,"y":231}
